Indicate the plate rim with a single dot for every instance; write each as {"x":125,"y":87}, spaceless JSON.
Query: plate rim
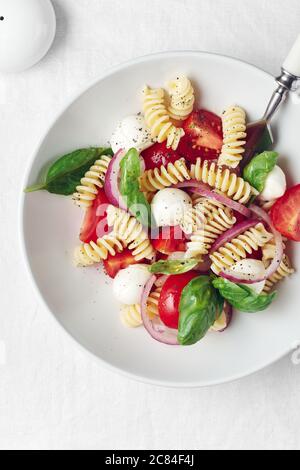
{"x":21,"y":235}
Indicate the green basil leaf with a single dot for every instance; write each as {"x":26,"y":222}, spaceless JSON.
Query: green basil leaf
{"x":242,"y":297}
{"x":199,"y":308}
{"x":173,"y":266}
{"x":257,"y":170}
{"x":130,"y":188}
{"x":65,"y":173}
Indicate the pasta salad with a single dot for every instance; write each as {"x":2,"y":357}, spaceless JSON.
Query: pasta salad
{"x":187,"y":231}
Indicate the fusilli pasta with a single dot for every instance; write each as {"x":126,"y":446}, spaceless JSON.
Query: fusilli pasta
{"x":212,"y":219}
{"x":234,"y":131}
{"x":223,"y":180}
{"x":158,"y":119}
{"x":131,"y":316}
{"x":239,"y":248}
{"x":91,"y":182}
{"x":164,"y":177}
{"x":152,"y":303}
{"x":182,"y":98}
{"x":285,"y":269}
{"x":131,"y":232}
{"x":88,"y":254}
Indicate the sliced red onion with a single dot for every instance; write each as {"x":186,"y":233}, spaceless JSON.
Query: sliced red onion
{"x":239,"y":278}
{"x":155,"y":327}
{"x":279,"y":246}
{"x":233,"y":233}
{"x":204,"y":266}
{"x":111,"y":185}
{"x":203,"y":190}
{"x":225,"y":319}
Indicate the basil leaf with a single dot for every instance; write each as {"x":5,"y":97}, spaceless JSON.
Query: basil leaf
{"x":173,"y":266}
{"x":242,"y":297}
{"x":65,"y":173}
{"x":130,"y":188}
{"x":200,"y":306}
{"x":256,"y":172}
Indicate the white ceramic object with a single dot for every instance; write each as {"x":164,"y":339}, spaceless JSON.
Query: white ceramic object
{"x":27,"y":30}
{"x":292,"y":62}
{"x":81,"y":299}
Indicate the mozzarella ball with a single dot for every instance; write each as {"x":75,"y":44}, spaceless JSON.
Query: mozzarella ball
{"x":251,"y":268}
{"x":169,"y":207}
{"x":132,"y":131}
{"x":275,"y":185}
{"x":129,"y":284}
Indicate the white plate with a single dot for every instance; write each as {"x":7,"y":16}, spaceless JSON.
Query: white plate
{"x":81,"y":299}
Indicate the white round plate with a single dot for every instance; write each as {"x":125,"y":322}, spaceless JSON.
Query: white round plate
{"x":81,"y":299}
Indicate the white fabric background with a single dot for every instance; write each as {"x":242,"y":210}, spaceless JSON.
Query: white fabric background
{"x":52,"y":395}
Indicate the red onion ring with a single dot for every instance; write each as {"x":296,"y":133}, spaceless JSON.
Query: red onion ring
{"x":155,"y":327}
{"x":238,"y":278}
{"x":204,"y":266}
{"x":111,"y":184}
{"x":233,"y":233}
{"x":202,"y":190}
{"x":224,"y":321}
{"x":279,"y":249}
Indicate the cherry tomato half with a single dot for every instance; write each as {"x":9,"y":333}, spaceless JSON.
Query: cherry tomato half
{"x":203,"y":136}
{"x":95,"y":215}
{"x":285,"y":214}
{"x":159,"y":155}
{"x":168,"y":240}
{"x":169,"y":301}
{"x":113,"y":264}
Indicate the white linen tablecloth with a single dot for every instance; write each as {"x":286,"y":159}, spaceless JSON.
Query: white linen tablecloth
{"x":52,"y":395}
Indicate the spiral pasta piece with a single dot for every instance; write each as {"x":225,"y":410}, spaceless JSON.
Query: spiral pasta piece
{"x":182,"y":98}
{"x":164,"y":177}
{"x":268,"y":252}
{"x":234,"y":140}
{"x":158,"y":119}
{"x":239,"y":248}
{"x":222,"y":180}
{"x":216,"y":219}
{"x":285,"y":269}
{"x":131,"y":232}
{"x":88,"y":254}
{"x":152,"y":302}
{"x":131,"y":316}
{"x":87,"y":191}
{"x":267,"y":206}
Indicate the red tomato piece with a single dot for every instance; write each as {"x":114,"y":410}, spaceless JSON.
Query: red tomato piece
{"x":203,"y":136}
{"x":158,"y":155}
{"x":113,"y":264}
{"x":170,"y":296}
{"x":168,"y":240}
{"x":95,"y":216}
{"x":285,"y":214}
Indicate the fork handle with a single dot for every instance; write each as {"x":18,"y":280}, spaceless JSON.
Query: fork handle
{"x":292,"y":62}
{"x":289,"y":80}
